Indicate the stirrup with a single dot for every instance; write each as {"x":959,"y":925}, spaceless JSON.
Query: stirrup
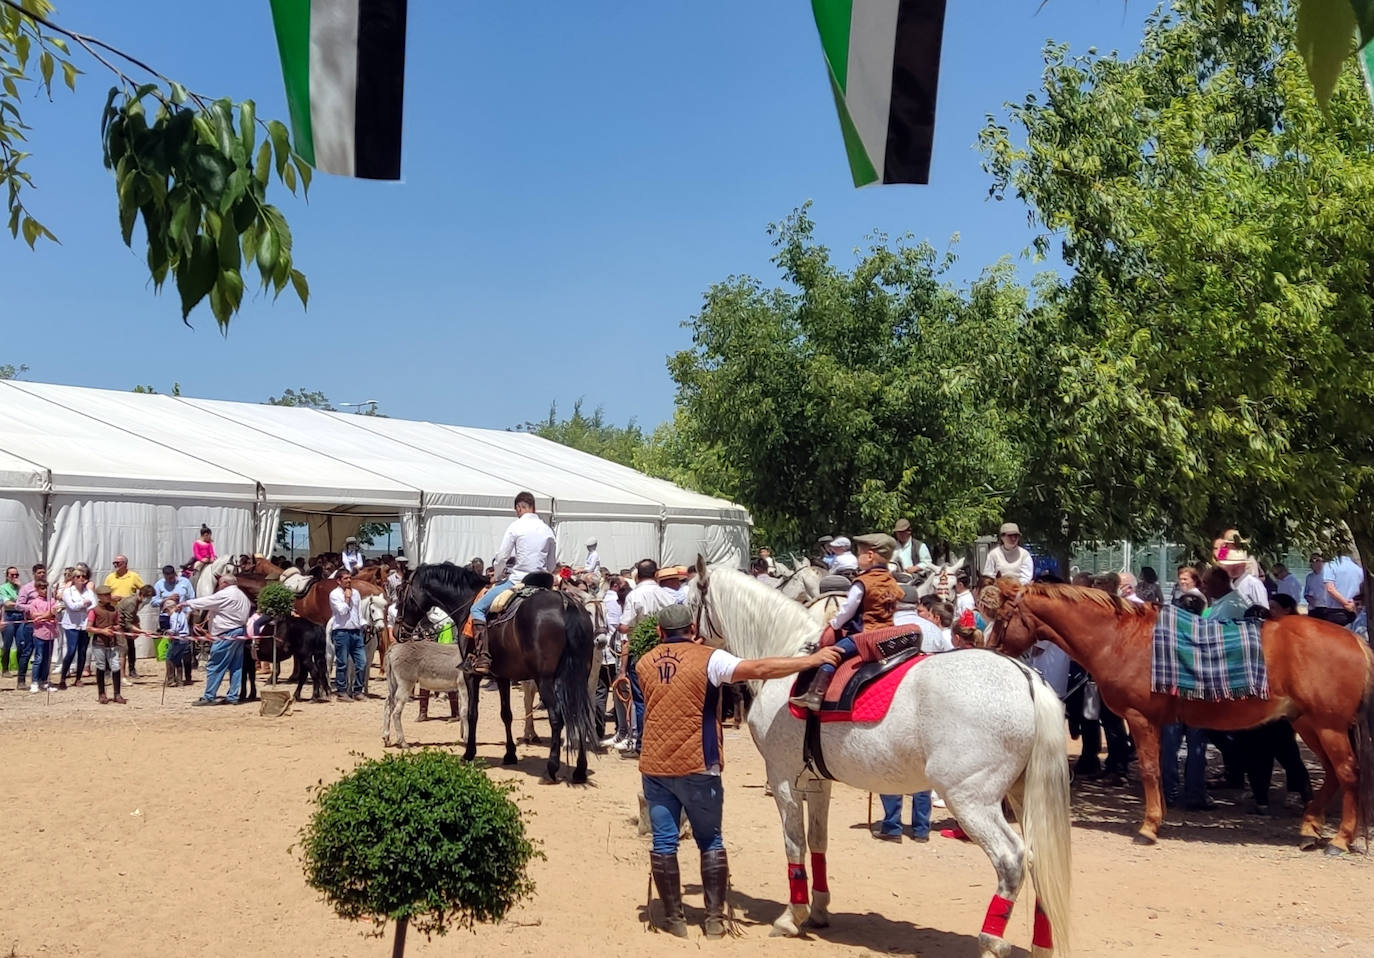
{"x":808,"y":700}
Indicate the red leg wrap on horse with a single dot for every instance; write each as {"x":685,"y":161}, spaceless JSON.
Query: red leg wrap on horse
{"x":1041,"y":936}
{"x":818,"y":872}
{"x":796,"y":883}
{"x":999,"y":913}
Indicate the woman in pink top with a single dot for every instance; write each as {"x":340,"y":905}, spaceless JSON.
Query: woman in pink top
{"x":203,"y":549}
{"x":42,"y":612}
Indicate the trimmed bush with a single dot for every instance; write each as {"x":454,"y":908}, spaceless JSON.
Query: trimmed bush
{"x":276,"y":600}
{"x":643,"y":637}
{"x":422,"y":838}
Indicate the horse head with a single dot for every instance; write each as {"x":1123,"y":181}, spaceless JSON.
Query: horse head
{"x":1011,"y":629}
{"x":444,"y":586}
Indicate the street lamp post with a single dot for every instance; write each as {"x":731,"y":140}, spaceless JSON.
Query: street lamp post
{"x":357,"y":407}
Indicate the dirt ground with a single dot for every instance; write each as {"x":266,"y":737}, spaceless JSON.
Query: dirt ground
{"x":154,"y":829}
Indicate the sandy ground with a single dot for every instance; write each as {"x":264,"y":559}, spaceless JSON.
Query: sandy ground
{"x":156,"y":829}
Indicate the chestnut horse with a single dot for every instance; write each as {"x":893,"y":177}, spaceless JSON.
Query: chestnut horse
{"x":1321,"y":677}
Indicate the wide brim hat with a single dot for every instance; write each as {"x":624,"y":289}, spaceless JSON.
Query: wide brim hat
{"x":672,"y":572}
{"x":879,"y":542}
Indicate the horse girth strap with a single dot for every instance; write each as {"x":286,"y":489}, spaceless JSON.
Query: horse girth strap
{"x":812,"y":754}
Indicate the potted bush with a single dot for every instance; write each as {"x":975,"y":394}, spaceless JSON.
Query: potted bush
{"x":422,"y":838}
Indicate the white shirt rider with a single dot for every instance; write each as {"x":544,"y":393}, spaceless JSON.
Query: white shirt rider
{"x":593,"y":557}
{"x":530,"y":541}
{"x":845,"y":561}
{"x":1010,"y":559}
{"x":352,"y":557}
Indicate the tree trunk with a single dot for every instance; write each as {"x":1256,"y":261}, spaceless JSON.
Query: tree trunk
{"x":398,"y":945}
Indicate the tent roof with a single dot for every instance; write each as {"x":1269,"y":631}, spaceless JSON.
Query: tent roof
{"x":123,"y":443}
{"x":86,"y":456}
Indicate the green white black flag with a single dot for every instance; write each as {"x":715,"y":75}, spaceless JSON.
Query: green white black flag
{"x":884,"y":60}
{"x":344,"y":66}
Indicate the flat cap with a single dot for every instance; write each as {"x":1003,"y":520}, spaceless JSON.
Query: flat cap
{"x":879,"y":542}
{"x":674,"y":618}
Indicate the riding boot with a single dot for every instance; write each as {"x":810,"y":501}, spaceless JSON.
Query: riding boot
{"x":668,"y":881}
{"x":453,"y":705}
{"x":813,"y":696}
{"x":479,"y":662}
{"x":424,"y":705}
{"x":715,"y":882}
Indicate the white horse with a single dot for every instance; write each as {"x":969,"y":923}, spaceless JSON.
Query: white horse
{"x":974,"y":725}
{"x":941,"y":580}
{"x":208,"y":576}
{"x":802,"y":584}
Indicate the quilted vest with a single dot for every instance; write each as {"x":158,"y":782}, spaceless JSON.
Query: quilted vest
{"x":682,"y":729}
{"x":881,"y":594}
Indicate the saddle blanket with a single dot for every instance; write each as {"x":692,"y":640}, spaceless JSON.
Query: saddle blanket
{"x":1195,"y":658}
{"x":856,"y":697}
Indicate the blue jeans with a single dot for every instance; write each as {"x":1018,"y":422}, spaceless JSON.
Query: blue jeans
{"x":1194,"y":766}
{"x":847,"y":648}
{"x":226,"y":656}
{"x":480,"y":607}
{"x":348,"y":647}
{"x":23,"y":639}
{"x":77,"y":640}
{"x":42,"y":659}
{"x":637,"y":697}
{"x":9,"y":633}
{"x":178,"y":652}
{"x":892,"y":814}
{"x":701,"y":796}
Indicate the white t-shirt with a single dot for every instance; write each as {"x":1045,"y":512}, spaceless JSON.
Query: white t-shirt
{"x":934,"y":638}
{"x":593,"y":561}
{"x":720,"y":667}
{"x":1251,"y":590}
{"x":1015,"y":565}
{"x":963,"y":601}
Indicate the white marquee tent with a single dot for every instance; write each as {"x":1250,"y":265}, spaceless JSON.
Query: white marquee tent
{"x":88,"y":473}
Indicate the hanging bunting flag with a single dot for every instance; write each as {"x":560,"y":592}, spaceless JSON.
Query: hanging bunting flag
{"x":344,"y":66}
{"x":884,"y":60}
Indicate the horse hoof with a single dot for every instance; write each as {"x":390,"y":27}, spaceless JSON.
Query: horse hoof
{"x":509,"y":759}
{"x":546,"y":780}
{"x":1334,"y":851}
{"x":579,"y":778}
{"x":815,"y":921}
{"x":1143,"y":839}
{"x":782,"y":932}
{"x":1309,"y":843}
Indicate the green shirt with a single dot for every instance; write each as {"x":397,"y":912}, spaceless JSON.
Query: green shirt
{"x":9,"y":592}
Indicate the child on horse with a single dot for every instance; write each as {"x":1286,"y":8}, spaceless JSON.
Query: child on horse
{"x":870,"y":604}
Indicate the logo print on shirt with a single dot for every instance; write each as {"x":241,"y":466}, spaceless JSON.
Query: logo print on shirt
{"x":667,"y":664}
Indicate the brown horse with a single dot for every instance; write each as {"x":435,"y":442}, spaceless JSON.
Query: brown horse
{"x":1321,"y":677}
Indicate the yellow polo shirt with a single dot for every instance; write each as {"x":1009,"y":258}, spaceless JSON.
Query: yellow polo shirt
{"x":121,"y":587}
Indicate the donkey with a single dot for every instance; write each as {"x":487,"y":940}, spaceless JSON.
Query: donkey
{"x":427,"y":664}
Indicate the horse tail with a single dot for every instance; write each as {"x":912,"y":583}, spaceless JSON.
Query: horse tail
{"x":1045,"y":818}
{"x":571,"y":696}
{"x":1362,"y":738}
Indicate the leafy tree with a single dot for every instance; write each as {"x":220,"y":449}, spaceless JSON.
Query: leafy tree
{"x":422,"y":838}
{"x":308,"y":398}
{"x":591,"y":434}
{"x":845,"y":400}
{"x":1210,"y":362}
{"x":176,"y":389}
{"x":12,"y":371}
{"x":189,"y":166}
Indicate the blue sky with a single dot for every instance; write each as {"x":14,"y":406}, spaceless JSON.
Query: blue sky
{"x":576,"y":175}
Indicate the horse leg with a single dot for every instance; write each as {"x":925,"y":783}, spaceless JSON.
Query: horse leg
{"x":788,"y":797}
{"x":1314,"y":815}
{"x":470,"y":750}
{"x":982,"y":820}
{"x":398,"y":708}
{"x":817,"y":837}
{"x":530,"y":736}
{"x":1146,"y":735}
{"x":503,"y":687}
{"x":555,"y":730}
{"x":1336,"y":743}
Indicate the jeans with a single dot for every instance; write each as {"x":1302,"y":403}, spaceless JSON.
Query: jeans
{"x":637,"y":695}
{"x":77,"y":640}
{"x":9,"y":634}
{"x":24,"y":640}
{"x":701,"y":796}
{"x":847,"y":648}
{"x":480,"y":607}
{"x":348,"y":648}
{"x":892,"y":814}
{"x":1194,"y":767}
{"x":226,"y":656}
{"x":42,"y":660}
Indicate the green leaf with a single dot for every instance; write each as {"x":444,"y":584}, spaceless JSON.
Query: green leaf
{"x":31,"y":231}
{"x":196,"y":275}
{"x":179,"y":94}
{"x":228,"y":247}
{"x":267,"y":252}
{"x":209,"y":170}
{"x":219,"y":306}
{"x":262,"y":169}
{"x":305,"y":171}
{"x":144,"y":90}
{"x":21,"y":49}
{"x":11,"y":88}
{"x":301,"y":286}
{"x":289,"y":177}
{"x":281,"y":142}
{"x":69,"y":73}
{"x":1325,"y":38}
{"x":45,"y":65}
{"x":231,"y":287}
{"x":247,"y":126}
{"x":58,"y":42}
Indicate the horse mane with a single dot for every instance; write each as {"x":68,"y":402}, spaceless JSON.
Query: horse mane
{"x":1080,"y":593}
{"x":449,"y":576}
{"x":757,"y":621}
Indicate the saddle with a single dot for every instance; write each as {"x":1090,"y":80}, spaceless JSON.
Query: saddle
{"x":849,"y":696}
{"x":505,"y":605}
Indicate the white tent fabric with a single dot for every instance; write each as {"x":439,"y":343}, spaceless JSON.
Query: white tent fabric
{"x":87,"y":473}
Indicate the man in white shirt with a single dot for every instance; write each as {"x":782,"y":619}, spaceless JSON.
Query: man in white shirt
{"x":845,"y":561}
{"x":229,"y":610}
{"x":593,"y":563}
{"x":1286,"y":582}
{"x":911,"y":555}
{"x":352,"y":557}
{"x":645,"y":600}
{"x":1244,"y":583}
{"x":345,"y":606}
{"x":530,"y":542}
{"x":1010,"y":560}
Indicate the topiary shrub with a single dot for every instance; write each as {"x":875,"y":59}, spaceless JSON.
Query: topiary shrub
{"x":276,"y":600}
{"x":422,"y":838}
{"x":643,"y":637}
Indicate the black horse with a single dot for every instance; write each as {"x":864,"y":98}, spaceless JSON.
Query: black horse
{"x":548,"y":639}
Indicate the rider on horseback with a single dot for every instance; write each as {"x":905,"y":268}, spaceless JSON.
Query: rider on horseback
{"x":530,"y":542}
{"x":870,"y":604}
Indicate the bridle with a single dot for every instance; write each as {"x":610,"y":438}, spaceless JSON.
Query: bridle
{"x":425,"y":629}
{"x":703,"y":616}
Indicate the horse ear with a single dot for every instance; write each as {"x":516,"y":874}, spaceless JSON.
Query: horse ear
{"x":701,"y":568}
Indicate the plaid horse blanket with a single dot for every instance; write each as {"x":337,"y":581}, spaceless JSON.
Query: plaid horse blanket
{"x":1195,"y":658}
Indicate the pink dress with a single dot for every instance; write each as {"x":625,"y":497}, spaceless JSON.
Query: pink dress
{"x":203,"y":551}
